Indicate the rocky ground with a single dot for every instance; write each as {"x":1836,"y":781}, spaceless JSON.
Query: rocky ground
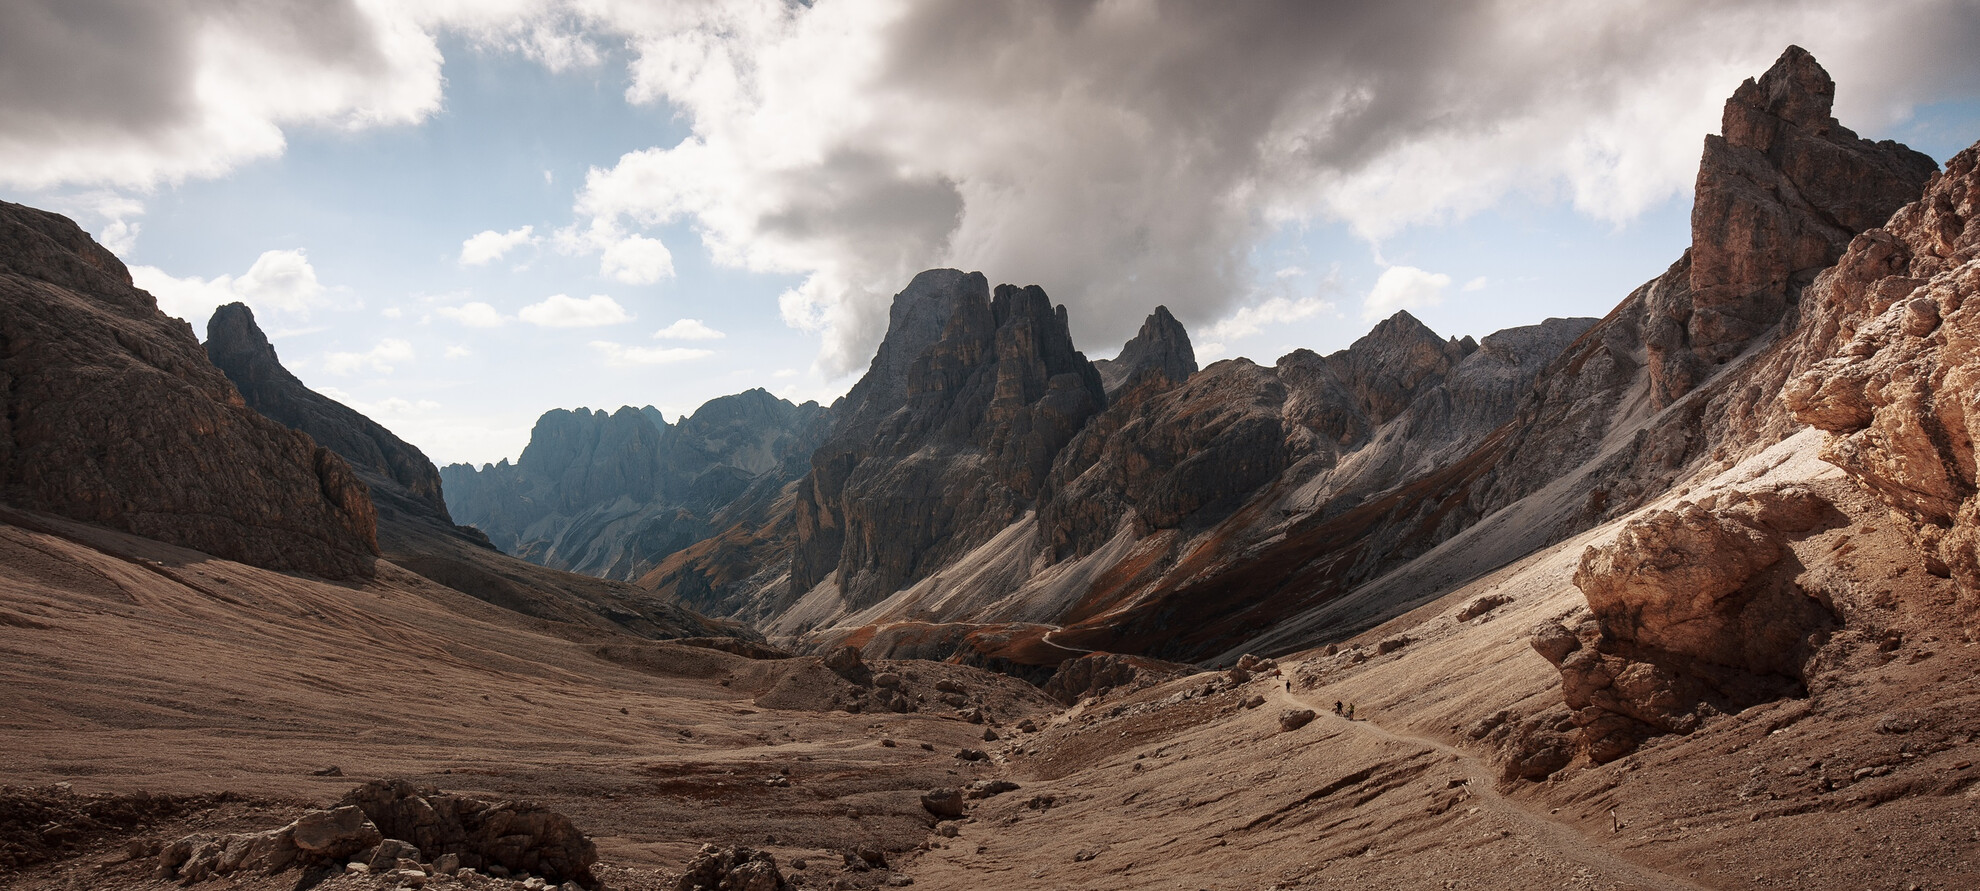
{"x":178,"y":695}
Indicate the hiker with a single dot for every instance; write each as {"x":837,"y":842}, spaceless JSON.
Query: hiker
{"x":1337,"y":706}
{"x":1350,"y":711}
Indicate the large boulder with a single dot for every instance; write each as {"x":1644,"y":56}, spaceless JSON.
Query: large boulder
{"x":1692,"y":611}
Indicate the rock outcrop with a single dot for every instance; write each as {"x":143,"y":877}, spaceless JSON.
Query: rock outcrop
{"x":1897,"y":390}
{"x":318,"y":838}
{"x":1693,"y":611}
{"x":733,"y":868}
{"x":518,"y":836}
{"x":114,"y":415}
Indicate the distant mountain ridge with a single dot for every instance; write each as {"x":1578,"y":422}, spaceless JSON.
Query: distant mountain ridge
{"x":610,"y":494}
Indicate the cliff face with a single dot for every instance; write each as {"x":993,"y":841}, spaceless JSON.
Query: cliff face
{"x":1897,"y":386}
{"x":611,"y":494}
{"x":115,"y":416}
{"x":963,"y":451}
{"x":404,"y":485}
{"x":414,"y":528}
{"x":1780,"y":193}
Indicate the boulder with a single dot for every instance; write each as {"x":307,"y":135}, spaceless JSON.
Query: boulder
{"x":517,"y":836}
{"x":1295,"y":718}
{"x":945,"y":804}
{"x":338,"y":832}
{"x":1693,"y":611}
{"x":734,"y":868}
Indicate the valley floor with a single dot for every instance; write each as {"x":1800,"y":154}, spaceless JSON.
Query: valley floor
{"x":132,"y":667}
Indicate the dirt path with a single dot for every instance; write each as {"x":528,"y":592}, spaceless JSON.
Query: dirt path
{"x":1563,"y":840}
{"x":1046,"y":639}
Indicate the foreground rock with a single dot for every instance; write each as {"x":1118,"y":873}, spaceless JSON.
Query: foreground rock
{"x":518,"y":836}
{"x":319,"y":838}
{"x":1694,"y":611}
{"x":731,"y":869}
{"x":115,"y":416}
{"x":391,"y":825}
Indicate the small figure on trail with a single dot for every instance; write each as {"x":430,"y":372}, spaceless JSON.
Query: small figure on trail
{"x":1337,"y":706}
{"x":1350,"y":711}
{"x":1288,"y":685}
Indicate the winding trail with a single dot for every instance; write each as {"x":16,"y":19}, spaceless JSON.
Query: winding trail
{"x":1563,"y":840}
{"x":1046,"y":639}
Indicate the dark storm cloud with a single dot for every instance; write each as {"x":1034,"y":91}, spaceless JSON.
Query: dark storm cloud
{"x":131,"y":92}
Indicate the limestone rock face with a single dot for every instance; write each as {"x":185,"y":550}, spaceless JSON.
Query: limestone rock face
{"x":1779,"y":196}
{"x":1694,"y":610}
{"x":959,"y":446}
{"x":1193,"y":454}
{"x":612,"y":494}
{"x":405,"y":486}
{"x":1160,"y":350}
{"x":114,"y":415}
{"x":1897,"y":390}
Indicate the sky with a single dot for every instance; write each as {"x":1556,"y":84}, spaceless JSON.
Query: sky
{"x":455,"y":215}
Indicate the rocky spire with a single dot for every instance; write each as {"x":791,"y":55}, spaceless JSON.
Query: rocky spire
{"x":1160,"y":348}
{"x":237,"y":346}
{"x":1779,"y":196}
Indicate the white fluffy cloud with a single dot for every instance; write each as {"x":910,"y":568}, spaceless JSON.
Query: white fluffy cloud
{"x":689,"y":329}
{"x":474,"y":315}
{"x":564,"y":311}
{"x":278,"y":280}
{"x":637,"y":260}
{"x":380,"y":359}
{"x":1403,"y":287}
{"x":622,"y":356}
{"x":1250,"y":320}
{"x":489,"y":245}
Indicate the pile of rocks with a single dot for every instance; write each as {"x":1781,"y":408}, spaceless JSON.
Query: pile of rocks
{"x":409,"y":835}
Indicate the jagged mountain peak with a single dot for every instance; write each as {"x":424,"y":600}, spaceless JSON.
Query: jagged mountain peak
{"x":404,"y":483}
{"x":1160,"y":349}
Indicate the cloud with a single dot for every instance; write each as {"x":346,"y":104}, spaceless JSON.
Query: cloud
{"x":489,"y":245}
{"x":458,"y":352}
{"x":1250,"y":320}
{"x":380,"y":358}
{"x":1119,"y":154}
{"x":637,"y":260}
{"x":1126,"y":154}
{"x":563,"y":311}
{"x":1403,"y":287}
{"x":689,"y":329}
{"x":1476,"y":284}
{"x":278,"y":280}
{"x":621,"y":356}
{"x":473,"y":315}
{"x":134,"y":93}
